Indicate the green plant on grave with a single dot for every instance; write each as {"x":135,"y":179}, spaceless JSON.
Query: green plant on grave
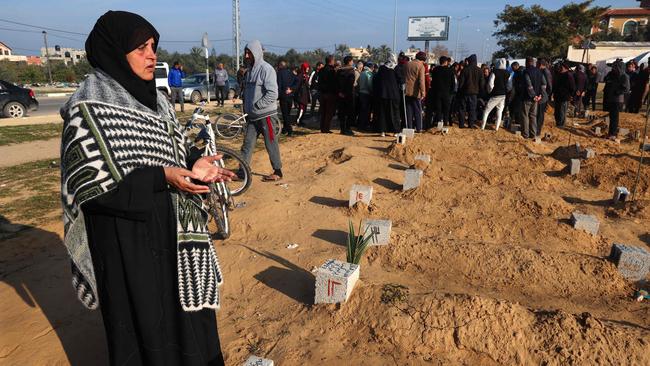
{"x":357,"y":244}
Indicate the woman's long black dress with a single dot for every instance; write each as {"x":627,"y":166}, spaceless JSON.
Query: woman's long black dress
{"x":386,"y":89}
{"x":132,"y":238}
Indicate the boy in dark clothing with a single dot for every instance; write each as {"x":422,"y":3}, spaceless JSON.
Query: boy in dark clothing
{"x":345,"y":76}
{"x":580,"y":79}
{"x":468,"y":88}
{"x":287,"y":83}
{"x":562,"y":92}
{"x":443,"y":82}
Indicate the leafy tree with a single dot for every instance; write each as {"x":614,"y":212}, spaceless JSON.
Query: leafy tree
{"x":342,"y":50}
{"x":536,"y":31}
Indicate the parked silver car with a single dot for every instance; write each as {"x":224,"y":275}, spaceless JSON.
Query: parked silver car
{"x":194,"y":89}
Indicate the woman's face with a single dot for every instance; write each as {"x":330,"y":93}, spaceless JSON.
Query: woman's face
{"x":143,"y":60}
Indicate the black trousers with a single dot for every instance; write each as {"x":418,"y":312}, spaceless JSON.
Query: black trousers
{"x":346,"y":113}
{"x":541,"y":111}
{"x":326,"y":110}
{"x":614,"y":108}
{"x":467,"y":105}
{"x":365,"y":102}
{"x":285,"y":109}
{"x":442,"y":108}
{"x":222,"y":94}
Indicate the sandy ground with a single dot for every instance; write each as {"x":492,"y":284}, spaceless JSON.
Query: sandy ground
{"x":483,"y":267}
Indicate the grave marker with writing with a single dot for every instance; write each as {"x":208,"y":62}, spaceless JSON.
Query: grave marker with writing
{"x":360,"y":193}
{"x":258,"y":361}
{"x":379,"y":229}
{"x":632,"y":262}
{"x":335,"y":281}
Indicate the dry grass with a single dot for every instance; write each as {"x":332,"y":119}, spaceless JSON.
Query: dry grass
{"x":26,"y":133}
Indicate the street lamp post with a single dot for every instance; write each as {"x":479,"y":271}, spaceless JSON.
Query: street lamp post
{"x":395,"y":28}
{"x":458,"y":35}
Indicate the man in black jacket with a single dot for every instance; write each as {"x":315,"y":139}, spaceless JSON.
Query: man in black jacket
{"x":287,"y":83}
{"x":562,"y":93}
{"x":328,"y":87}
{"x":443,"y":82}
{"x":345,"y":76}
{"x":468,"y":88}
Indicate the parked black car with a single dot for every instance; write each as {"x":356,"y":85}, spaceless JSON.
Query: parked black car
{"x":16,"y":101}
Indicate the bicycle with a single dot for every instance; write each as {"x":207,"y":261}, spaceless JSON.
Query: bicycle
{"x":230,"y":125}
{"x":220,"y":199}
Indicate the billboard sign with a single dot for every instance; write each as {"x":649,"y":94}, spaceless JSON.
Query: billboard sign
{"x":428,"y":28}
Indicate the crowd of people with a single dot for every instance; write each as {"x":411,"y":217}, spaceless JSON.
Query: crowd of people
{"x":404,"y":93}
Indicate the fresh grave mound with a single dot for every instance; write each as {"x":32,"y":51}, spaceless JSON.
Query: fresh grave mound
{"x":338,"y":156}
{"x":607,"y":172}
{"x":464,"y":329}
{"x":566,"y":153}
{"x":402,"y":153}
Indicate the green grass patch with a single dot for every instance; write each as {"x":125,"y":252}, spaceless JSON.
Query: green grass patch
{"x":26,"y":133}
{"x":33,"y":209}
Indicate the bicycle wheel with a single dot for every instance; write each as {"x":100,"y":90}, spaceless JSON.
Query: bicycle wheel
{"x":233,"y":161}
{"x":277,"y":127}
{"x":217,"y":203}
{"x":228,"y":126}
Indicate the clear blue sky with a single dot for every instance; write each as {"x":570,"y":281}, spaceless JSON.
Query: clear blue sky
{"x":279,"y":24}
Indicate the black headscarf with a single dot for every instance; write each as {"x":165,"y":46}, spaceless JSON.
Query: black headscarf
{"x":115,"y":34}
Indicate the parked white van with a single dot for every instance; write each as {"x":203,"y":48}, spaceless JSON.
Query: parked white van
{"x":161,"y":72}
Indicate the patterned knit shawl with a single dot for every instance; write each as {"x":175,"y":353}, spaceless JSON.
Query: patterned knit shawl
{"x":107,"y":134}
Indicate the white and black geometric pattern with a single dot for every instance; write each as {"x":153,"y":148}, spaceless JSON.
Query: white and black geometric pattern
{"x":102,"y":143}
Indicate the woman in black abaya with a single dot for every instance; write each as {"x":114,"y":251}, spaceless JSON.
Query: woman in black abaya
{"x":134,"y":224}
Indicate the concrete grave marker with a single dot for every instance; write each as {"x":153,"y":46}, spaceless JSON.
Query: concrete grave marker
{"x":335,"y":281}
{"x":588,"y":223}
{"x":548,"y":136}
{"x":575,"y":166}
{"x":412,"y":179}
{"x":518,"y":133}
{"x":423,"y":157}
{"x":624,"y":132}
{"x":597,"y":131}
{"x":445,"y":130}
{"x":409,"y":132}
{"x":360,"y":193}
{"x":441,"y":125}
{"x":379,"y":229}
{"x":637,"y":135}
{"x":620,"y":195}
{"x":258,"y":361}
{"x":401,"y":138}
{"x":589,"y":153}
{"x":632,"y":262}
{"x":538,"y":140}
{"x":514,"y":127}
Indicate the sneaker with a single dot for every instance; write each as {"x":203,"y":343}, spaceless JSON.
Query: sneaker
{"x":383,"y":134}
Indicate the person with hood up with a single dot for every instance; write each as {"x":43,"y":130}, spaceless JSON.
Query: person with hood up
{"x":580,"y":79}
{"x":617,"y":83}
{"x":260,"y":95}
{"x":134,"y":222}
{"x":468,"y":88}
{"x":386,"y":89}
{"x":303,"y":93}
{"x":497,"y":87}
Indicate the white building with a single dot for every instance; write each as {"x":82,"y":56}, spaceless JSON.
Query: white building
{"x":6,"y":54}
{"x":58,"y":53}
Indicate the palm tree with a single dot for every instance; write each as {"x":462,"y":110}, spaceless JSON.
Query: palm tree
{"x":342,"y":50}
{"x":382,"y":53}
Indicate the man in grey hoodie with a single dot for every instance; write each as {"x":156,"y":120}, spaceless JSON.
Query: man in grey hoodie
{"x":260,"y":96}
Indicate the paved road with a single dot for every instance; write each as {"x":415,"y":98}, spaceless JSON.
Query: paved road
{"x":48,"y":106}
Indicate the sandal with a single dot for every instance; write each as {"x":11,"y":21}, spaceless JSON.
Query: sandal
{"x":271,"y":178}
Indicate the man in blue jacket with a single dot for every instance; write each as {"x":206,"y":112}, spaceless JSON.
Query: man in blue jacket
{"x":175,"y":80}
{"x":260,"y":96}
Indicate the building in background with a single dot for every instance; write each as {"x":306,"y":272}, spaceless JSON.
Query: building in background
{"x":6,"y":54}
{"x":67,"y":55}
{"x":625,"y":21}
{"x":411,"y":52}
{"x":359,"y":53}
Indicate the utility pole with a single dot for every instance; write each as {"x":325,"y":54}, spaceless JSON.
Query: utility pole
{"x":235,"y":32}
{"x":395,"y":29}
{"x":47,"y":57}
{"x":458,"y":36}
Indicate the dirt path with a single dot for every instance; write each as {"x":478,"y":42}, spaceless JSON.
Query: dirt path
{"x":490,"y":271}
{"x":29,"y":151}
